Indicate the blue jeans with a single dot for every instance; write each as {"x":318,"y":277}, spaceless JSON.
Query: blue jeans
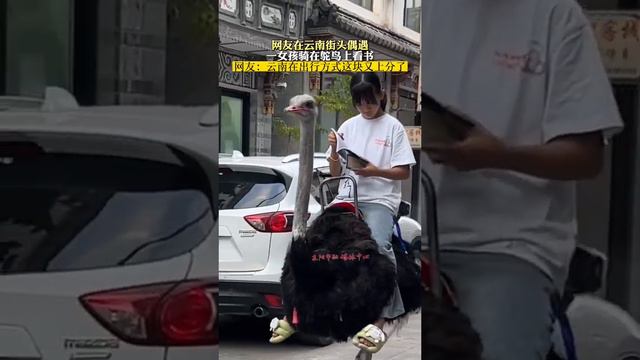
{"x":507,"y":300}
{"x":380,"y":221}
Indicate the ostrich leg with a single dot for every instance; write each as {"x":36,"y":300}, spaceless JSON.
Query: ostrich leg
{"x":364,"y":355}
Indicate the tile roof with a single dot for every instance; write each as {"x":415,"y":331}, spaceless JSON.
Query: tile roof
{"x":324,"y":14}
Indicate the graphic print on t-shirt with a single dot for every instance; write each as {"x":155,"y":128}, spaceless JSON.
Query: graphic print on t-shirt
{"x":531,"y":62}
{"x":386,"y":142}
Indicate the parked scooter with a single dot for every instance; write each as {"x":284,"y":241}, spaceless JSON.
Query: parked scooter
{"x":600,"y":330}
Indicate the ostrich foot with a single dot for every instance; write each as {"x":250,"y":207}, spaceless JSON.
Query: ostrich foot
{"x":281,"y":330}
{"x":370,"y":339}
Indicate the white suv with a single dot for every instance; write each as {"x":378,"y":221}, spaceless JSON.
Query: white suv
{"x":256,"y":202}
{"x":107,"y":233}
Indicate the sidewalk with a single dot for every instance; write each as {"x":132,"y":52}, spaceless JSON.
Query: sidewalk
{"x":254,"y":344}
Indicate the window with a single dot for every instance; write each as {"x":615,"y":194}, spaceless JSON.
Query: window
{"x":250,"y":188}
{"x":35,"y":56}
{"x":412,"y":13}
{"x":232,"y":114}
{"x":367,"y":4}
{"x":65,"y":209}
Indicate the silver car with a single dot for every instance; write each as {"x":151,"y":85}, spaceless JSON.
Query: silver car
{"x":108,"y":245}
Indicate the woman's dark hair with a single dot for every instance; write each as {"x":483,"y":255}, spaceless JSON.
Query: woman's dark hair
{"x":364,"y":87}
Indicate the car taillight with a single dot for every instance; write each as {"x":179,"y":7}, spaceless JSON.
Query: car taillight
{"x":275,"y":222}
{"x":273,"y":301}
{"x":171,"y":314}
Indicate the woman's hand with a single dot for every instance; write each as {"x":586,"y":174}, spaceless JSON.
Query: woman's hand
{"x":401,"y":172}
{"x":565,"y":158}
{"x":369,"y":170}
{"x":479,"y":150}
{"x":333,"y":142}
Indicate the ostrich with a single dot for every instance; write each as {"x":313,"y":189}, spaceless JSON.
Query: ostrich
{"x":334,"y":280}
{"x":447,"y":333}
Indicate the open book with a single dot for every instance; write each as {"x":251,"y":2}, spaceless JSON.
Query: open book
{"x":353,"y":160}
{"x":442,"y":124}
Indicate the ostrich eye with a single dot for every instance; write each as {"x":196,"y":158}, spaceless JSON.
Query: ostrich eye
{"x":308,"y":104}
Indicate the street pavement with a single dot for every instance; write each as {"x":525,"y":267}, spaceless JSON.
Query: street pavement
{"x":247,"y":339}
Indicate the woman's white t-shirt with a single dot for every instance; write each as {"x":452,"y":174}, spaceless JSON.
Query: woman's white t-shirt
{"x":382,"y":141}
{"x":529,"y":71}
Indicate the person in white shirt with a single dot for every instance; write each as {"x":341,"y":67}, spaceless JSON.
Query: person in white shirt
{"x":529,"y":73}
{"x":382,"y":140}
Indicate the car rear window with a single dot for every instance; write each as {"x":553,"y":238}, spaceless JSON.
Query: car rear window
{"x":79,"y":203}
{"x":244,"y":188}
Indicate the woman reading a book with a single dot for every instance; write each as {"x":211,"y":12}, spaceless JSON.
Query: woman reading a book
{"x":381,"y":141}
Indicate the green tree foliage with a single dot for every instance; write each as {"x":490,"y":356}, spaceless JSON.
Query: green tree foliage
{"x":281,"y":128}
{"x":201,"y":14}
{"x":338,"y":97}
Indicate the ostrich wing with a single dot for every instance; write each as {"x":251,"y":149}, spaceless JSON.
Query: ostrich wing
{"x":336,"y":297}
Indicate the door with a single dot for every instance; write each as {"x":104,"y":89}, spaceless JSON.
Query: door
{"x":233,"y":123}
{"x":622,"y":243}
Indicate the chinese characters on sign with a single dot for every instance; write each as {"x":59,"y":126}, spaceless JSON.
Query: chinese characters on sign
{"x":322,"y":50}
{"x":320,"y":66}
{"x":415,"y":136}
{"x":321,"y":56}
{"x":618,"y":37}
{"x":324,"y":55}
{"x":317,"y":45}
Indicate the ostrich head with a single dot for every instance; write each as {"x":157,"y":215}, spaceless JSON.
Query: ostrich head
{"x":304,"y":109}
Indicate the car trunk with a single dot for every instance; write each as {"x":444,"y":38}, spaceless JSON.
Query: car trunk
{"x":249,"y":203}
{"x":85,"y":215}
{"x":41,"y":316}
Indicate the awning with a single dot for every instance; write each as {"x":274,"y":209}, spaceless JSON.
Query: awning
{"x":245,"y":40}
{"x":327,"y":15}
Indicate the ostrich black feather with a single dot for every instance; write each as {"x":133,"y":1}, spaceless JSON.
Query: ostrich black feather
{"x":339,"y":282}
{"x":447,"y":333}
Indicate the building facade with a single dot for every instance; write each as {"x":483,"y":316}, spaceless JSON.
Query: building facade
{"x":107,"y":52}
{"x":374,"y":22}
{"x":252,"y":117}
{"x":250,"y":101}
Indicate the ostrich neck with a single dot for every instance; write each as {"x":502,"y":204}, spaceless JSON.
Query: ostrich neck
{"x":305,"y":173}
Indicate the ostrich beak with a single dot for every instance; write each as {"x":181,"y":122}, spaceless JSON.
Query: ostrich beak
{"x":294,"y":109}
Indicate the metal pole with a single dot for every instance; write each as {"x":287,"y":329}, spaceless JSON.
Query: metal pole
{"x":430,"y":218}
{"x":415,"y":186}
